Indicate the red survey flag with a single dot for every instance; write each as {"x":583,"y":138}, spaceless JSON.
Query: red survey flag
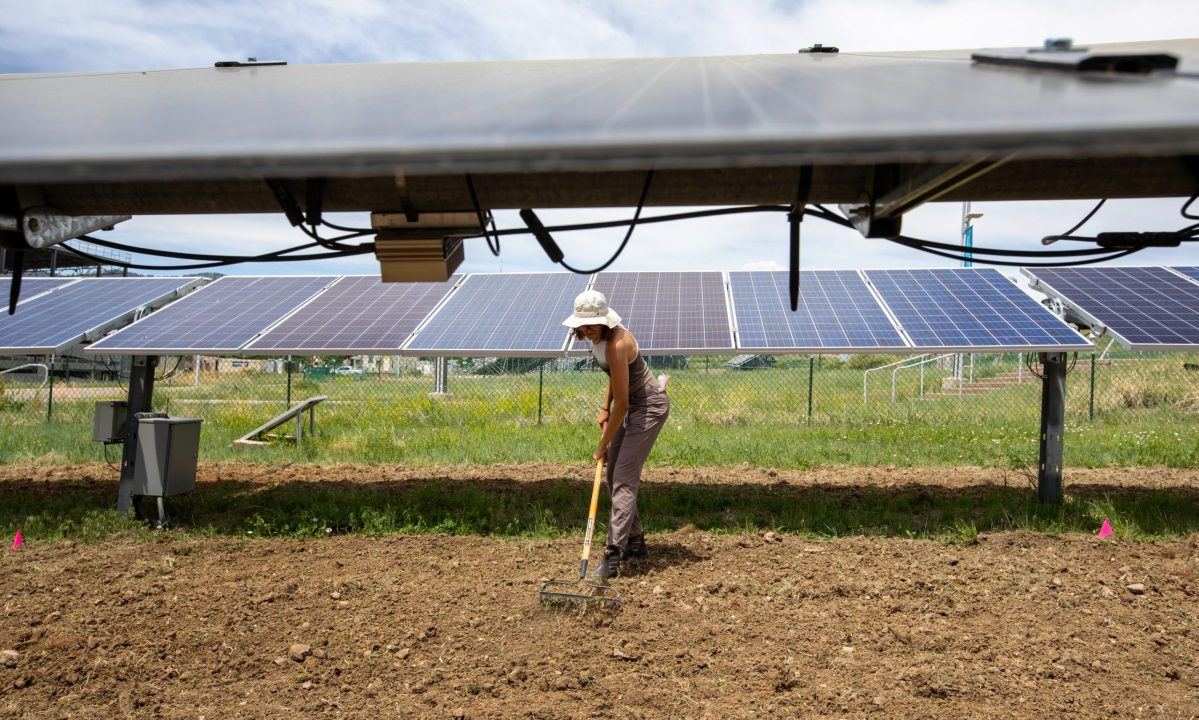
{"x":1106,"y":529}
{"x":16,"y":541}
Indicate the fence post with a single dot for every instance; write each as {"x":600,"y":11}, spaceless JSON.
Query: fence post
{"x":289,"y":381}
{"x":811,"y":365}
{"x":540,"y":387}
{"x":50,"y":396}
{"x":1092,"y":418}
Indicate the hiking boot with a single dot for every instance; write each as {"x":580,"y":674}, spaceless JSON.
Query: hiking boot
{"x":610,"y":565}
{"x":637,"y":547}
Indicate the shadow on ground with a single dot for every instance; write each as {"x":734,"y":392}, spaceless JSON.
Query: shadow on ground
{"x":556,"y":507}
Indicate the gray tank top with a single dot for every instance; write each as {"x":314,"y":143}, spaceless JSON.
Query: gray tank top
{"x":640,"y":376}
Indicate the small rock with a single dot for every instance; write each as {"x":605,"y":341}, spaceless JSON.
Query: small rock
{"x":68,"y":543}
{"x":1135,"y":588}
{"x":299,"y":651}
{"x":318,"y":654}
{"x":306,"y":685}
{"x":403,"y":654}
{"x":773,"y":537}
{"x":280,"y":660}
{"x":9,"y":658}
{"x":22,"y":682}
{"x":335,"y":595}
{"x":658,"y":590}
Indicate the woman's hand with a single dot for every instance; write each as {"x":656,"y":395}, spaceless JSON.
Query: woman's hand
{"x":602,"y":420}
{"x":599,"y":454}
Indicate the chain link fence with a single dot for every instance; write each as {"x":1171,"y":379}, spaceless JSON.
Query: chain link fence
{"x":998,"y":392}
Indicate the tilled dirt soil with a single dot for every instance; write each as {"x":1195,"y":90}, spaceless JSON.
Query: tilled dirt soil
{"x":765,"y":625}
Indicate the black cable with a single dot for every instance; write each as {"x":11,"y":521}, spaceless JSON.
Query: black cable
{"x":1054,"y":238}
{"x":196,"y":256}
{"x":364,"y":231}
{"x":495,"y":249}
{"x":962,"y":258}
{"x":267,"y":257}
{"x":330,"y":243}
{"x":1186,"y":205}
{"x":740,"y":210}
{"x":632,"y":225}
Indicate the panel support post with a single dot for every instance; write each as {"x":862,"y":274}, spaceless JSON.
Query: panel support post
{"x":1053,"y":425}
{"x":141,"y":398}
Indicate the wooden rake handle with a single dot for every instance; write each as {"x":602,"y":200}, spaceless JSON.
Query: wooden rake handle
{"x":595,"y":488}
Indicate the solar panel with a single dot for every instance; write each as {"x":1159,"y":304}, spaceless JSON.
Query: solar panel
{"x":592,"y":114}
{"x":669,"y":312}
{"x":357,"y":315}
{"x":221,"y":317}
{"x":80,"y":310}
{"x":1191,"y":271}
{"x":1144,"y":308}
{"x":837,"y":313}
{"x":970,"y":309}
{"x":32,"y":286}
{"x":501,"y":314}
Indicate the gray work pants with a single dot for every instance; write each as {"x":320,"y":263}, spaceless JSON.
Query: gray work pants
{"x":626,"y":456}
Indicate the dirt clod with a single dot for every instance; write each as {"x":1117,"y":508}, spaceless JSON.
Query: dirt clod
{"x":299,"y":651}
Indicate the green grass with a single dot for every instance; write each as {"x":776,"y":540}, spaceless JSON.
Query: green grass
{"x":1146,"y":413}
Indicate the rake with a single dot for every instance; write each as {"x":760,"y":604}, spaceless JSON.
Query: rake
{"x":583,"y":591}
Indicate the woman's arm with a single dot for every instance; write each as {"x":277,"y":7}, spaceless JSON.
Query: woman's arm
{"x":619,"y":351}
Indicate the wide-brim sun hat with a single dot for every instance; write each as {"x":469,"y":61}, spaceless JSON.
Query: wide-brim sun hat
{"x":591,"y":308}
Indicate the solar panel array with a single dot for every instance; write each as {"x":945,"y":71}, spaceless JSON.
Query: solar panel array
{"x":684,"y":313}
{"x":500,"y":315}
{"x":669,"y":312}
{"x":1144,"y":308}
{"x":222,"y":317}
{"x":66,"y":315}
{"x":976,"y":309}
{"x":837,"y":312}
{"x":358,"y":315}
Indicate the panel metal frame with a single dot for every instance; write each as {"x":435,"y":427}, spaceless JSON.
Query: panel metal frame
{"x":1045,"y":287}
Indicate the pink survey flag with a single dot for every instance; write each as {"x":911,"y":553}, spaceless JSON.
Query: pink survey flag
{"x":16,"y":541}
{"x":1106,"y":529}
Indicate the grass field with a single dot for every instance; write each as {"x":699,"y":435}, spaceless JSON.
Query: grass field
{"x":1145,"y":413}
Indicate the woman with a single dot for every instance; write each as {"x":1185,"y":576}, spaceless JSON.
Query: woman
{"x":634,"y":410}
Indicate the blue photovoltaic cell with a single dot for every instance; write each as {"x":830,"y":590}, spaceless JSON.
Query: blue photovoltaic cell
{"x":220,"y":317}
{"x":62,"y":317}
{"x":669,"y":311}
{"x":970,"y":309}
{"x":504,"y":314}
{"x":1147,"y":307}
{"x":358,"y":315}
{"x":31,"y":286}
{"x":836,"y":311}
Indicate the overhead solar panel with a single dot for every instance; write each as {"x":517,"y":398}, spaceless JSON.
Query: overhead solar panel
{"x":571,"y":114}
{"x":516,"y":314}
{"x":837,"y":312}
{"x":82,"y":310}
{"x":970,"y":310}
{"x":219,"y":318}
{"x":358,"y":315}
{"x":1143,"y":308}
{"x":33,"y":286}
{"x":670,"y":313}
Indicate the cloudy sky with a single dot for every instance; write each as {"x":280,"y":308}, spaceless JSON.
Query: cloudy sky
{"x":83,"y":35}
